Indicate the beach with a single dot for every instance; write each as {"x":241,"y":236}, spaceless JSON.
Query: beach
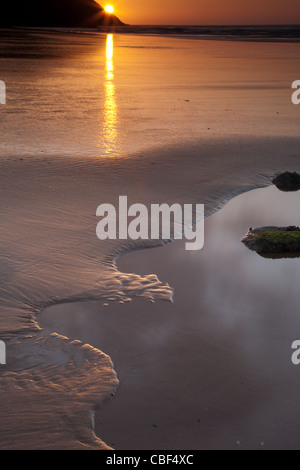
{"x":172,"y":120}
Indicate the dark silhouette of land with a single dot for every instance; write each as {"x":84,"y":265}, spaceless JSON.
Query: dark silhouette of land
{"x":57,"y":13}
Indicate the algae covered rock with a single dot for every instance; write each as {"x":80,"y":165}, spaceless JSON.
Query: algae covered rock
{"x":287,"y":181}
{"x":273,"y":239}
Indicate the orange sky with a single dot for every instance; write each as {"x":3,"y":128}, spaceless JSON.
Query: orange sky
{"x":206,"y":11}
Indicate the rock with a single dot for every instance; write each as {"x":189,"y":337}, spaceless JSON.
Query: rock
{"x":287,"y":181}
{"x":266,"y":240}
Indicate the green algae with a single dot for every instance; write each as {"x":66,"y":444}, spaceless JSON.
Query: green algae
{"x":279,"y":240}
{"x":273,"y":240}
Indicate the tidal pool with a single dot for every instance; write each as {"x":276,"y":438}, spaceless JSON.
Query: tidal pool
{"x":213,"y":370}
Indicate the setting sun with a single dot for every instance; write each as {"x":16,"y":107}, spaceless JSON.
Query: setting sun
{"x":109,"y":9}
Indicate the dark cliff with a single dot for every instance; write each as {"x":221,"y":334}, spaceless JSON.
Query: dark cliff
{"x":56,"y":13}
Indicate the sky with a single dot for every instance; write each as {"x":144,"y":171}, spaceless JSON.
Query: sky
{"x":206,"y":11}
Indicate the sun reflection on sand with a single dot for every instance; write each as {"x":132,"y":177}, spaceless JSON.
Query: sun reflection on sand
{"x":110,"y":104}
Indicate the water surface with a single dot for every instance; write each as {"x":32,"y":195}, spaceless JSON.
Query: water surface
{"x":212,"y":370}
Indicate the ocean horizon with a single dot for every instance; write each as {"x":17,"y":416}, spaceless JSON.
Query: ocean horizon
{"x":283,"y":32}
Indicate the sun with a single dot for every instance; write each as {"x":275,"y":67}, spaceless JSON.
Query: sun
{"x":109,"y":9}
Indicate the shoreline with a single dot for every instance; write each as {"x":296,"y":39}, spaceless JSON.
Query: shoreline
{"x":210,"y":32}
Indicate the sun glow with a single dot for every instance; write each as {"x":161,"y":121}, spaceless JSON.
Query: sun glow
{"x":110,"y":103}
{"x":109,"y":9}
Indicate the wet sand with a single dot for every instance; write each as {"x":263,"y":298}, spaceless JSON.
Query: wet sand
{"x":40,"y":269}
{"x":85,"y":123}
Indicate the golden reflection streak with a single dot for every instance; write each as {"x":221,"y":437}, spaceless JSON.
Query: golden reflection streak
{"x":110,"y":105}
